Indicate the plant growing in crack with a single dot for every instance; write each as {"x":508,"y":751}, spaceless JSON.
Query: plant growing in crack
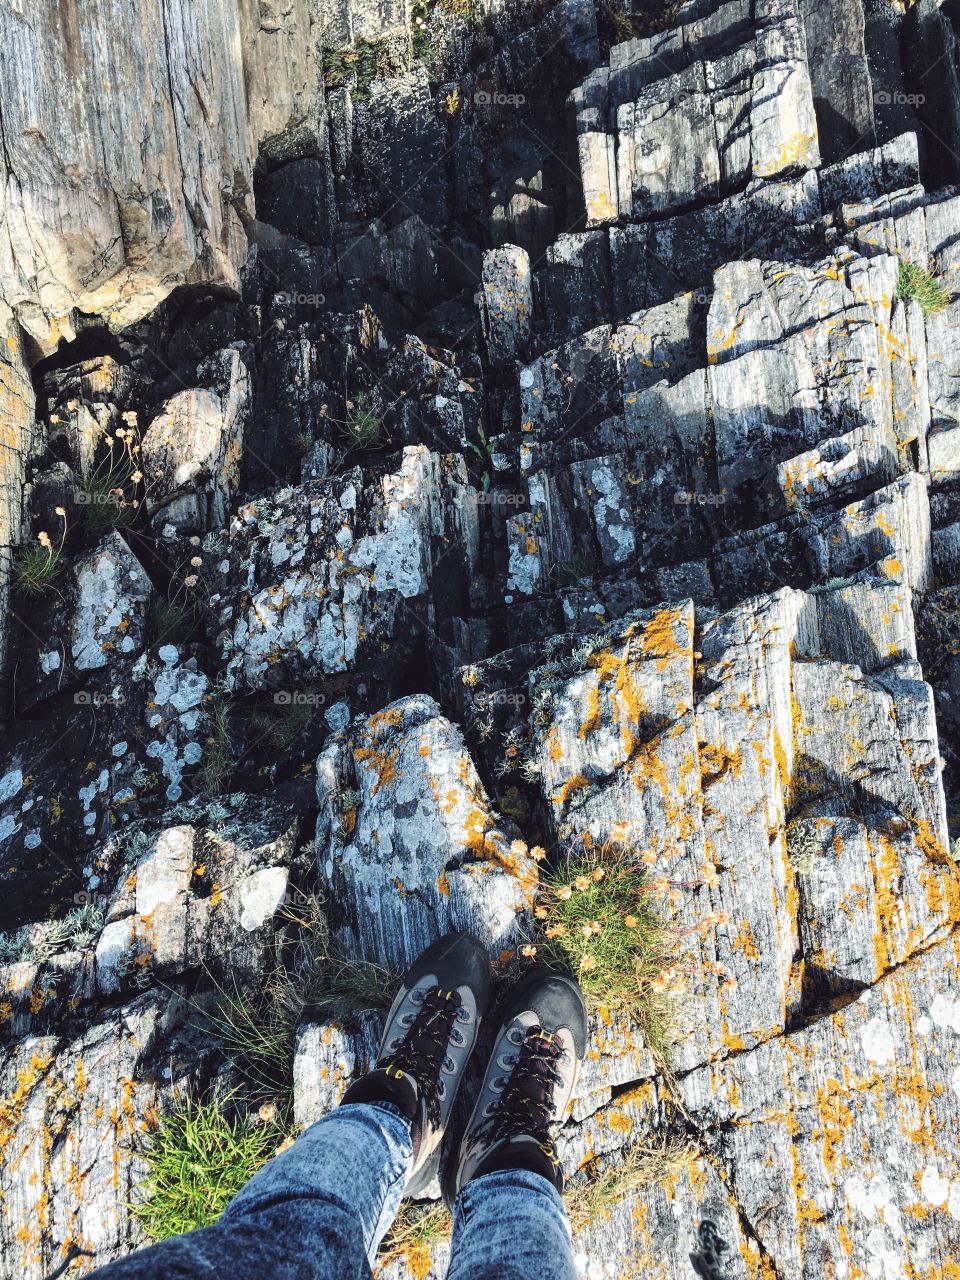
{"x":34,"y":570}
{"x":913,"y":282}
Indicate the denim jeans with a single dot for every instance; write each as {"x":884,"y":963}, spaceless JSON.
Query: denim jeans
{"x":319,"y":1210}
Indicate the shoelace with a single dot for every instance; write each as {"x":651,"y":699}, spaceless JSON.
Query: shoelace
{"x":422,"y":1051}
{"x":526,"y":1104}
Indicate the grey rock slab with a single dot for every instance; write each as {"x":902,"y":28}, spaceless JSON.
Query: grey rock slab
{"x":326,"y":1057}
{"x":838,"y":1138}
{"x":201,"y":894}
{"x":506,"y":302}
{"x":191,"y":451}
{"x":408,"y":844}
{"x":76,"y":1111}
{"x":317,"y":573}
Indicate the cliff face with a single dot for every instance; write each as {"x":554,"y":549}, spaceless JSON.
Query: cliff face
{"x":469,"y":426}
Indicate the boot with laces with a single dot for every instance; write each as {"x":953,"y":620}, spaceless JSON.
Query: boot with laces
{"x":528,"y":1085}
{"x":430,"y":1033}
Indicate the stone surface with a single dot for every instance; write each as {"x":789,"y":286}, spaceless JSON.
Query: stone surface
{"x":506,"y":492}
{"x":191,"y":452}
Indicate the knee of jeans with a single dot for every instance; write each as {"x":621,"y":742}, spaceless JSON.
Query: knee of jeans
{"x":315,"y":1224}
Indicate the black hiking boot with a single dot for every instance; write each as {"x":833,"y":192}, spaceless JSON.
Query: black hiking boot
{"x":528,"y":1085}
{"x":430,"y":1033}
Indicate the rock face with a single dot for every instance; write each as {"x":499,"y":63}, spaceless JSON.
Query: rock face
{"x":502,"y":493}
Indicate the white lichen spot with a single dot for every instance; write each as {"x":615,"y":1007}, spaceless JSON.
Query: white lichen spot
{"x":10,"y":784}
{"x":933,"y":1187}
{"x":260,"y":896}
{"x":877,"y":1041}
{"x":945,"y":1012}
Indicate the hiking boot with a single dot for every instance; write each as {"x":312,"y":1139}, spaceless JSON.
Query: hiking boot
{"x":430,"y":1033}
{"x":528,"y":1086}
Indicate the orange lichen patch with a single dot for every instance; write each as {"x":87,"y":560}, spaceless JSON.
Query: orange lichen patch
{"x":12,"y":1106}
{"x":619,"y":1121}
{"x":383,"y":764}
{"x":443,"y":884}
{"x":577,"y":783}
{"x":418,"y":1261}
{"x":835,"y":1120}
{"x":554,"y":749}
{"x":477,"y":825}
{"x":780,"y":759}
{"x":886,"y":902}
{"x":716,"y":760}
{"x":942,"y":890}
{"x":807,"y":1212}
{"x":732,"y":1043}
{"x":928,"y":842}
{"x":744,"y":941}
{"x":591,"y":721}
{"x":424,"y":748}
{"x":915,"y":1096}
{"x":659,"y":640}
{"x":391,"y":718}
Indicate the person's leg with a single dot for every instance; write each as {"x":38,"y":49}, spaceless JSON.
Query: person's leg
{"x":510,"y":1225}
{"x":317,"y":1211}
{"x":504,"y":1186}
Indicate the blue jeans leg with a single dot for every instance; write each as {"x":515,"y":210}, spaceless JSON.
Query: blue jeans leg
{"x":510,"y":1225}
{"x":318,"y":1211}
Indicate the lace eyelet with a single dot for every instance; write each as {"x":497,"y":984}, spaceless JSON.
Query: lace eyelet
{"x":515,"y":1036}
{"x":441,"y":1089}
{"x":418,"y":997}
{"x":463,"y":1014}
{"x":499,"y":1084}
{"x":449,"y":1066}
{"x":457,"y":1038}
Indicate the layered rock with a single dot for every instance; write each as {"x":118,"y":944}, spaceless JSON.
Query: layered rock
{"x":590,"y":497}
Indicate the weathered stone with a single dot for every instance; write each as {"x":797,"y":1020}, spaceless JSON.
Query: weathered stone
{"x":333,"y":568}
{"x":410,"y":847}
{"x":506,"y":302}
{"x":790,"y":1122}
{"x":192,"y":450}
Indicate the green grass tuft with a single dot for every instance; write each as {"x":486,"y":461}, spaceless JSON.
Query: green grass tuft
{"x":920,"y":285}
{"x":257,"y":1031}
{"x":599,"y":923}
{"x":197,"y":1161}
{"x":363,"y":425}
{"x":35,"y":570}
